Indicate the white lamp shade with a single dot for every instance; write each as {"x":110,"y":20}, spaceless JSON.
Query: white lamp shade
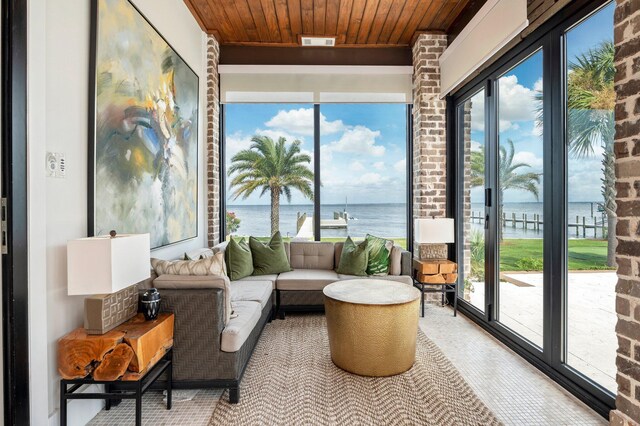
{"x":104,"y":265}
{"x":434,"y":231}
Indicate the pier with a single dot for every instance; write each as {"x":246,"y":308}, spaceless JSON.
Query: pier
{"x":304,"y":224}
{"x":582,"y":227}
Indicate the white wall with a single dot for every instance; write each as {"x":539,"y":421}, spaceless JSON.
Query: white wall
{"x":58,"y":102}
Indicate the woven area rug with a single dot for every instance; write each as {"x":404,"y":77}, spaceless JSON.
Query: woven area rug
{"x":291,"y":380}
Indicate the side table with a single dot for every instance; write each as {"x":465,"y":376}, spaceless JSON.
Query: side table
{"x":129,"y":358}
{"x":440,"y":273}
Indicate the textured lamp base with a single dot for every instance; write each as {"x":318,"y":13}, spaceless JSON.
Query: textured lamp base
{"x":432,"y":251}
{"x":103,"y":312}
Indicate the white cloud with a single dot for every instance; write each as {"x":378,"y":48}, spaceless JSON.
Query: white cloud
{"x":277,"y":134}
{"x":357,"y":140}
{"x":357,"y":166}
{"x":529,"y":158}
{"x":300,"y":122}
{"x":400,"y":166}
{"x":517,"y":102}
{"x":236,"y":143}
{"x":369,"y":179}
{"x":378,"y":165}
{"x":537,"y":86}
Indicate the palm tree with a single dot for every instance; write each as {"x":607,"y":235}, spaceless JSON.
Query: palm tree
{"x":510,"y":177}
{"x":271,"y":166}
{"x":591,"y":100}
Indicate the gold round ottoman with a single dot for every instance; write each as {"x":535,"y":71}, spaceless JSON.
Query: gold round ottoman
{"x":372,"y":325}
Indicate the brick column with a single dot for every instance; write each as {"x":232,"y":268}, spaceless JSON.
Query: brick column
{"x":627,"y":151}
{"x":213,"y":143}
{"x":429,"y":128}
{"x":429,"y":133}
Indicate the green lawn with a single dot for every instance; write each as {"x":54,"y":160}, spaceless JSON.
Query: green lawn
{"x":526,"y":254}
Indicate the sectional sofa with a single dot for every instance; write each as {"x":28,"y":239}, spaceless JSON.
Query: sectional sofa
{"x":218,"y":322}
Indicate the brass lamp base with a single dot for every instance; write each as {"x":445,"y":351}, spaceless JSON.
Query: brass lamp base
{"x":432,"y":251}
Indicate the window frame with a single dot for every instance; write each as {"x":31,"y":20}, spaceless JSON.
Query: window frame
{"x":550,"y":37}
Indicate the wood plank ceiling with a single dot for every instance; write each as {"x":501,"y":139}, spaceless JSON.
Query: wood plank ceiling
{"x":355,"y":23}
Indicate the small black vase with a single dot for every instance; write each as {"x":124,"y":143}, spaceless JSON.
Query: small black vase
{"x":151,"y":304}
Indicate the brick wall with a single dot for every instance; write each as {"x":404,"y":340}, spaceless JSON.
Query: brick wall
{"x":429,"y":128}
{"x":627,"y":151}
{"x":213,"y":143}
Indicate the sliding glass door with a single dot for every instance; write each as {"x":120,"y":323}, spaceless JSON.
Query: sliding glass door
{"x":535,"y":200}
{"x":520,"y":204}
{"x":591,"y":210}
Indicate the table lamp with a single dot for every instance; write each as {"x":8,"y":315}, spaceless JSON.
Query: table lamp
{"x":107,"y":267}
{"x":432,"y":236}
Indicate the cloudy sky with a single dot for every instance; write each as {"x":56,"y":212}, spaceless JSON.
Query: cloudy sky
{"x":517,"y":106}
{"x":362,"y":147}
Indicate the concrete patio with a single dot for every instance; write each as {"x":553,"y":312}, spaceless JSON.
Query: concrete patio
{"x":591,"y":315}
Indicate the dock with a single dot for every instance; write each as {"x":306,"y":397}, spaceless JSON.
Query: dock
{"x":305,"y":225}
{"x":534,"y":222}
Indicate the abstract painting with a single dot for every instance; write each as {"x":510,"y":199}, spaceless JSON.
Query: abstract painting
{"x":143,"y":165}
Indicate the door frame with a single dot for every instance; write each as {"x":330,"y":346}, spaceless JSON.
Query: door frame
{"x":15,"y":289}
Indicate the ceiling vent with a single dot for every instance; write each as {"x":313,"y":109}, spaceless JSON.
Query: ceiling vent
{"x":318,"y":41}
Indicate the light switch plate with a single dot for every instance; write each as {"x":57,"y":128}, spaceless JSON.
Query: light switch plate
{"x":56,"y":165}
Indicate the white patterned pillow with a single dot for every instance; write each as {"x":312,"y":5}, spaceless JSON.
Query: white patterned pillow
{"x":213,"y":265}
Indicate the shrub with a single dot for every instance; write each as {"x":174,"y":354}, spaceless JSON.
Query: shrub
{"x":530,"y":264}
{"x":232,"y":223}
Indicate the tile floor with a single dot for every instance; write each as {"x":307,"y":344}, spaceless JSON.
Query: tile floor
{"x":494,"y":372}
{"x":516,"y":391}
{"x":591,"y":323}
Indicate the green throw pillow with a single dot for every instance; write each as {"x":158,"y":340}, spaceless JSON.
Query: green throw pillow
{"x":379,"y":255}
{"x":238,"y":258}
{"x":269,"y":258}
{"x":353,"y":259}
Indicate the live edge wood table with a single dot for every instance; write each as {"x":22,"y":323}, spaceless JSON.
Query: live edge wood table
{"x":443,"y":274}
{"x":130,"y":357}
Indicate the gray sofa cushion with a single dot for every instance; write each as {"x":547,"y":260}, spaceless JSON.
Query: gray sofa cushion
{"x":235,"y":333}
{"x":399,"y":278}
{"x":178,"y":282}
{"x":271,"y":278}
{"x":251,"y":291}
{"x":306,"y":279}
{"x":312,"y":255}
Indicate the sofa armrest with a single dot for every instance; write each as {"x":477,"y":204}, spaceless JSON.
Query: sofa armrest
{"x":406,"y":264}
{"x":199,"y":321}
{"x":192,"y":282}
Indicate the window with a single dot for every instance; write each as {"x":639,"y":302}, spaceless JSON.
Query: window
{"x":250,"y":131}
{"x":363,"y":184}
{"x":535,"y":200}
{"x":363,"y":171}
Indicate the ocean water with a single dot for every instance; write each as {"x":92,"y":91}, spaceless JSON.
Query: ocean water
{"x":389,"y":220}
{"x":386,"y":220}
